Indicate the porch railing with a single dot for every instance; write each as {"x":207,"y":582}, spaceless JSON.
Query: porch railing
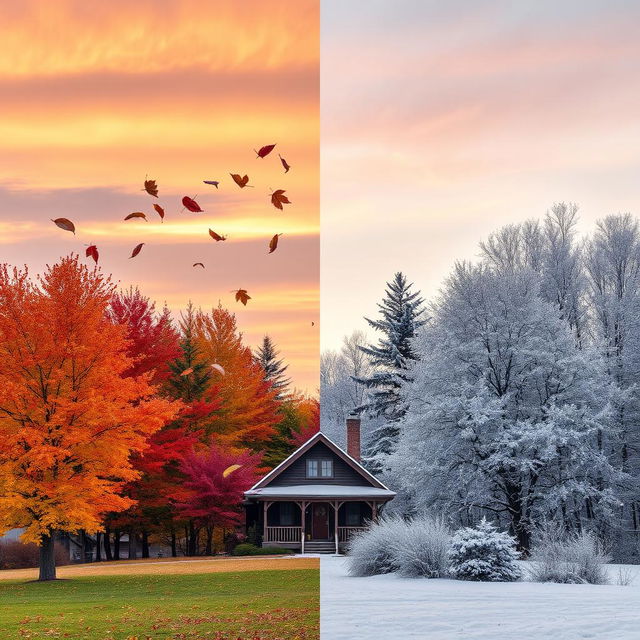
{"x":283,"y":534}
{"x":344,"y":533}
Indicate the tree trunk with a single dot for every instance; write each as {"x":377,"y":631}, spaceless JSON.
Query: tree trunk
{"x":47,"y":558}
{"x":107,"y":544}
{"x":133,"y":550}
{"x":116,"y":545}
{"x":208,"y":551}
{"x":174,"y":550}
{"x":98,"y":550}
{"x":145,"y":544}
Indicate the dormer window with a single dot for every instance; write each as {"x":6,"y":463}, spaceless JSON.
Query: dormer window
{"x":319,"y":468}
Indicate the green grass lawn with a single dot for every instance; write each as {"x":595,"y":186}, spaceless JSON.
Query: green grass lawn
{"x":248,"y":605}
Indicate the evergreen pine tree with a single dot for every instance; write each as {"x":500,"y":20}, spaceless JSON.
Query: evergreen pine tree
{"x":401,"y":311}
{"x":274,"y":368}
{"x":193,"y":386}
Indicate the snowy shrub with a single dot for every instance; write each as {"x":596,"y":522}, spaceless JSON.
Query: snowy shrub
{"x":370,"y":552}
{"x":420,"y":548}
{"x":483,"y":553}
{"x":569,"y":558}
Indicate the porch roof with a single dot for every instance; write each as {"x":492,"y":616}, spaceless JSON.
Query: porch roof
{"x":315,"y":491}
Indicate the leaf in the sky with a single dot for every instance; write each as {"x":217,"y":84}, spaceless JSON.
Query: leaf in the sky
{"x":136,"y":214}
{"x":136,"y":250}
{"x":216,"y":236}
{"x":186,"y":372}
{"x":215,"y":183}
{"x":229,"y":470}
{"x":198,"y":264}
{"x":265,"y":151}
{"x":241,"y":181}
{"x":285,"y":164}
{"x":219,"y":368}
{"x":191,"y":205}
{"x":242,"y":296}
{"x":278,"y":198}
{"x":151,"y":188}
{"x":160,"y":211}
{"x":273,"y":243}
{"x":92,"y":251}
{"x":65,"y":224}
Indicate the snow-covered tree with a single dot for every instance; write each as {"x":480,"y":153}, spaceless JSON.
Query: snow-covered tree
{"x":401,"y":312}
{"x":275,"y":369}
{"x":613,"y":272}
{"x":483,"y":553}
{"x":340,"y":390}
{"x":504,"y":409}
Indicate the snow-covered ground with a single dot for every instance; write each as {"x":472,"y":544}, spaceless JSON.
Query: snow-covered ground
{"x":388,"y":607}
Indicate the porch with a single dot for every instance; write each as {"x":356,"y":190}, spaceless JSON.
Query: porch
{"x":315,"y":525}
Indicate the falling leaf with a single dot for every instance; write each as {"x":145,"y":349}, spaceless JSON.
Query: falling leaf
{"x":273,"y":244}
{"x":198,"y":264}
{"x":186,"y":372}
{"x":92,"y":251}
{"x":151,"y":188}
{"x":313,"y":324}
{"x":216,"y":236}
{"x":265,"y":151}
{"x":285,"y":164}
{"x":241,"y":181}
{"x":191,"y":205}
{"x":136,"y":214}
{"x":160,"y":211}
{"x":65,"y":224}
{"x":136,"y":250}
{"x":215,"y":183}
{"x":229,"y":470}
{"x":219,"y":368}
{"x":278,"y":199}
{"x":242,"y":296}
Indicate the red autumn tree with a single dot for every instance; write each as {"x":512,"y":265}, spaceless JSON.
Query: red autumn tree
{"x":249,"y":408}
{"x":69,"y":420}
{"x":153,"y":340}
{"x":213,"y":486}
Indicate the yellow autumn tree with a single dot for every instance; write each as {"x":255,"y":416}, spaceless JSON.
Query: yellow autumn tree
{"x":69,"y":421}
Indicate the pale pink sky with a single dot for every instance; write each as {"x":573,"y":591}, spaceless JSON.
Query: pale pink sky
{"x":443,"y":121}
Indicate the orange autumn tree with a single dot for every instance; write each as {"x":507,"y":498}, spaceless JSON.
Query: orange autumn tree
{"x":249,"y":408}
{"x":69,"y":421}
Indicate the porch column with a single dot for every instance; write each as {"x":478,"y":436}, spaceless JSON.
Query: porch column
{"x":375,"y":512}
{"x":303,"y":510}
{"x":265,"y":509}
{"x":336,"y":508}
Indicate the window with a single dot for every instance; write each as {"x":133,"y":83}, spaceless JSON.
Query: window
{"x":319,"y":468}
{"x":326,"y":470}
{"x":312,"y":468}
{"x":352,"y":514}
{"x":286,"y":514}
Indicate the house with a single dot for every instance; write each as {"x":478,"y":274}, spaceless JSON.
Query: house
{"x":318,"y":497}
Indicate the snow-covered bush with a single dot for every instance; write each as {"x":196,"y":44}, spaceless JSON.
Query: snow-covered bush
{"x":569,"y":558}
{"x":420,"y":550}
{"x":370,"y":552}
{"x":483,"y":553}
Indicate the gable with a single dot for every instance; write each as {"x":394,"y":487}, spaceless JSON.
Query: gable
{"x":346,"y":470}
{"x":296,"y":473}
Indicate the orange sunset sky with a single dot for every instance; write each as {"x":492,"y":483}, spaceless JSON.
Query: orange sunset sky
{"x":97,"y":95}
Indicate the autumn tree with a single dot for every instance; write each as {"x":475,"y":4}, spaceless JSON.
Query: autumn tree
{"x":69,"y":420}
{"x":248,"y":412}
{"x":213,"y":486}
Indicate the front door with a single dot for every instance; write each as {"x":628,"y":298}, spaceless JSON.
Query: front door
{"x":320,"y":521}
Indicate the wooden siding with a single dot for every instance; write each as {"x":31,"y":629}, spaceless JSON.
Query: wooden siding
{"x":296,"y":473}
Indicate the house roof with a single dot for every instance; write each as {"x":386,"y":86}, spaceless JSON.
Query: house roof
{"x":319,"y":437}
{"x":321,"y":491}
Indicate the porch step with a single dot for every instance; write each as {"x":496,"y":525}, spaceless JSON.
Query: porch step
{"x":320,"y":547}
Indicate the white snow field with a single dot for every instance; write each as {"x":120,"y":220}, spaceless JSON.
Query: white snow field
{"x":388,"y":607}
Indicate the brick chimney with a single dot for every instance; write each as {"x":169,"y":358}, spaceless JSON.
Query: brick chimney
{"x":353,"y":436}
